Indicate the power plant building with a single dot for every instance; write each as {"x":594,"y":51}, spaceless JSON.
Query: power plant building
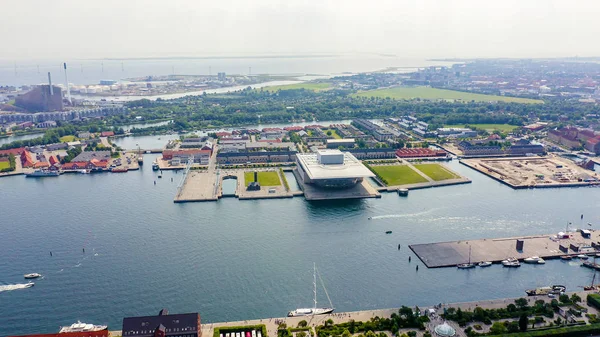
{"x":331,"y":169}
{"x":41,"y":98}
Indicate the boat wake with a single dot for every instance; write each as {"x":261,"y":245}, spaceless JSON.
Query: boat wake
{"x":409,"y":215}
{"x":9,"y":287}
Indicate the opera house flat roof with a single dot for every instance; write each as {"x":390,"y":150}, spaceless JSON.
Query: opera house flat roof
{"x":351,"y":168}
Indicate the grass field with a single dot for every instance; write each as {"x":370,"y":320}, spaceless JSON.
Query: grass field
{"x":268,"y":178}
{"x":398,"y":174}
{"x":66,"y":139}
{"x":488,"y":127}
{"x":334,"y":134}
{"x":435,"y":94}
{"x":305,"y":85}
{"x":436,"y":172}
{"x":4,"y":165}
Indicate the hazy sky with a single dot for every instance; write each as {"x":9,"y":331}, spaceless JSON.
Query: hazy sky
{"x":40,"y":29}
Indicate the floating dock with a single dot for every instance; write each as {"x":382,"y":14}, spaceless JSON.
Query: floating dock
{"x":449,"y":254}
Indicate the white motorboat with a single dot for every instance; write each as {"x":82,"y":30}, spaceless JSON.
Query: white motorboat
{"x":82,"y":327}
{"x":534,"y":260}
{"x":484,"y":264}
{"x":314,"y":310}
{"x":511,"y":262}
{"x":582,"y":256}
{"x":32,"y":276}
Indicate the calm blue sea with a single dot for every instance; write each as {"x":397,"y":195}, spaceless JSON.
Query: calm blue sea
{"x":234,"y":260}
{"x":20,"y":72}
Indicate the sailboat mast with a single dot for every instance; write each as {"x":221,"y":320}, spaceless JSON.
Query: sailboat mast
{"x":315,"y":284}
{"x":469,"y":254}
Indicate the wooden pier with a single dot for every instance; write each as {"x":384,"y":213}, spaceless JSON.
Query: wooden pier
{"x":449,"y":254}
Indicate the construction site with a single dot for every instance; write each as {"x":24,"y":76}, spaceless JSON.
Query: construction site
{"x":534,"y":172}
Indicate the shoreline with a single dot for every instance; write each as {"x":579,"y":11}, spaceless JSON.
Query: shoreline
{"x":272,"y":323}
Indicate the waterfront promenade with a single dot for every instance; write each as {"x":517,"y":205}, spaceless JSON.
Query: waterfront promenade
{"x":434,"y":312}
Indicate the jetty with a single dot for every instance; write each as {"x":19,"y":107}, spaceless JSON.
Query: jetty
{"x":549,"y":246}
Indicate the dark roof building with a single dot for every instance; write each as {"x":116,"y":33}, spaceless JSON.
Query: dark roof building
{"x":163,"y":325}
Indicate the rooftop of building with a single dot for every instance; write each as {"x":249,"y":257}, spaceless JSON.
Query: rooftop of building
{"x":350,"y":168}
{"x":180,"y":323}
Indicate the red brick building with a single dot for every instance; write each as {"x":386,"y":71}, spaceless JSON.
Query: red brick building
{"x":419,"y":152}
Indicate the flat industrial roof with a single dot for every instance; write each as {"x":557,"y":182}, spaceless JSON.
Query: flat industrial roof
{"x":351,"y":168}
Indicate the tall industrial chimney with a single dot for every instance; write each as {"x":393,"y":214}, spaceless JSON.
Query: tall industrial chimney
{"x":68,"y":88}
{"x":50,"y":84}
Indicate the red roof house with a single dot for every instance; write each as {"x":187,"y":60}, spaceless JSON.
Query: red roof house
{"x":27,"y":159}
{"x":107,"y":134}
{"x":15,"y":152}
{"x":53,"y":161}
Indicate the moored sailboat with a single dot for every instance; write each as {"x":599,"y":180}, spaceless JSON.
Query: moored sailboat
{"x":314,"y":310}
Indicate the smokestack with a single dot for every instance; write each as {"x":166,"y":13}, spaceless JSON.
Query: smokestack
{"x":68,"y":88}
{"x":50,"y":84}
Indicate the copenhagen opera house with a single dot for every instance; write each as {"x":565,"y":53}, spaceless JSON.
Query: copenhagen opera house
{"x":331,"y":169}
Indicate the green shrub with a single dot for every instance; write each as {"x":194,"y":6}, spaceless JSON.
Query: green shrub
{"x":593,"y":300}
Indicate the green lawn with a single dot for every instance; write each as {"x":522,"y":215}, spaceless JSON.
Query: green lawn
{"x":436,"y":172}
{"x":334,"y":134}
{"x":66,"y":139}
{"x":305,"y":85}
{"x":398,"y":174}
{"x":488,"y":127}
{"x":4,"y":165}
{"x":435,"y":94}
{"x":268,"y":178}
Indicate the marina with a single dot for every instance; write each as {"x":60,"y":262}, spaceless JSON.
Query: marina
{"x":530,"y":249}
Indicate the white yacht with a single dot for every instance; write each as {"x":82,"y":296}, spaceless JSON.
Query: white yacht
{"x":314,"y":310}
{"x":534,"y":260}
{"x":484,"y":264}
{"x":511,"y":262}
{"x":32,"y":276}
{"x":82,"y":327}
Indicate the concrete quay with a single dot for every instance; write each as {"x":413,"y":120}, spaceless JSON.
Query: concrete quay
{"x":449,"y":254}
{"x":533,"y":172}
{"x":198,"y":186}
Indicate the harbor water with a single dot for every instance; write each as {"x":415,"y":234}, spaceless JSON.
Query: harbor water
{"x":115,"y":245}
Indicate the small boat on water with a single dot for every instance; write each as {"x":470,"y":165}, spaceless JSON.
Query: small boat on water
{"x":155,"y":166}
{"x":484,"y":264}
{"x":82,"y":327}
{"x":566,"y":257}
{"x":467,"y":265}
{"x":388,"y":232}
{"x":555,"y":289}
{"x":118,"y":170}
{"x":84,"y":171}
{"x":32,"y":276}
{"x":534,"y":260}
{"x":511,"y":262}
{"x":582,"y":256}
